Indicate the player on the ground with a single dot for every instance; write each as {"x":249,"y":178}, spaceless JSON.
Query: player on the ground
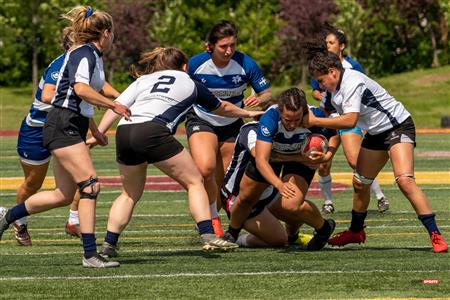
{"x":77,"y":91}
{"x":160,"y":97}
{"x":227,"y":73}
{"x":336,"y":42}
{"x":280,"y":131}
{"x":362,"y":102}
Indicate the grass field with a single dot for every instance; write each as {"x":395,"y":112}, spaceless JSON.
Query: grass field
{"x":160,"y":256}
{"x":425,"y":93}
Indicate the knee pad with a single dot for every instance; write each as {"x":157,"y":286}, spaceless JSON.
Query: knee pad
{"x":404,"y":175}
{"x":362,"y":179}
{"x":94,"y":190}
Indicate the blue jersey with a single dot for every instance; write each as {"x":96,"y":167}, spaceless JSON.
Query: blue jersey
{"x":38,"y":110}
{"x":84,"y":64}
{"x":271,"y":129}
{"x":228,"y":83}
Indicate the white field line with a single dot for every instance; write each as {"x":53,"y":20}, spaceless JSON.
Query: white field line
{"x":177,"y":250}
{"x":223,"y":274}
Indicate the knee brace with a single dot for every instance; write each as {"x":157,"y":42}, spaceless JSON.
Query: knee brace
{"x":362,"y":179}
{"x":404,"y":175}
{"x":91,"y":182}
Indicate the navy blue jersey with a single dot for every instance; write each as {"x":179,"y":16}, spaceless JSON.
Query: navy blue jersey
{"x":228,"y":83}
{"x":38,"y":110}
{"x":84,"y":64}
{"x":245,"y":142}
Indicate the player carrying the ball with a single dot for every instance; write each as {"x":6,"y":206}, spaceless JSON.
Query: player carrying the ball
{"x":280,"y":134}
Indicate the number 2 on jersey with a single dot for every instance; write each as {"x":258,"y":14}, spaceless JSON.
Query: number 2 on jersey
{"x":163,"y":81}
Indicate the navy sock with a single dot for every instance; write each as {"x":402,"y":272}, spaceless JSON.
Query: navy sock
{"x":325,"y":229}
{"x":90,"y":248}
{"x":234,"y":232}
{"x":17,"y":212}
{"x":358,"y":221}
{"x":112,"y":238}
{"x":429,"y":222}
{"x":205,"y":227}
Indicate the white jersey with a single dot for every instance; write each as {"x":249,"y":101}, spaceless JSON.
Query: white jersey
{"x":165,"y":97}
{"x":378,"y":110}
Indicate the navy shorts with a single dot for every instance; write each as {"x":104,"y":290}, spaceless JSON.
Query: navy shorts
{"x":149,"y":142}
{"x":30,"y":145}
{"x":63,"y":128}
{"x":224,"y":133}
{"x":281,"y":169}
{"x":403,"y":133}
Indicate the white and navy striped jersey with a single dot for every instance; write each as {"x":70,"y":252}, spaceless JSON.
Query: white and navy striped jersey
{"x":83,"y":64}
{"x":165,"y":97}
{"x":227,"y":83}
{"x":38,"y":110}
{"x":378,"y":110}
{"x":271,"y":130}
{"x":245,"y":142}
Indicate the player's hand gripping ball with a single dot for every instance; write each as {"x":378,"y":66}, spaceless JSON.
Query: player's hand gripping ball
{"x":314,"y":142}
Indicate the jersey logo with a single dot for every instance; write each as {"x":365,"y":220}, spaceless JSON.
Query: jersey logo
{"x":236,"y":79}
{"x":262,"y":81}
{"x":55,"y":75}
{"x":203,"y":80}
{"x":265,"y":131}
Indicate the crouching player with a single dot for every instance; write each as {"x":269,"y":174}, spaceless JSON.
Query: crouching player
{"x":279,"y":131}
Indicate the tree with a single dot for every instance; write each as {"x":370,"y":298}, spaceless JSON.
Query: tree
{"x":131,"y":26}
{"x":303,"y":21}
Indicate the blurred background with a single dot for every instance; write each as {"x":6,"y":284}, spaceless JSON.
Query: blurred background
{"x":387,"y":37}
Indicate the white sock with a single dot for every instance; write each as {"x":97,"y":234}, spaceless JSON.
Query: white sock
{"x":242,"y":240}
{"x":376,"y":189}
{"x":325,"y":187}
{"x":22,"y":221}
{"x":73,"y":217}
{"x":213,"y":210}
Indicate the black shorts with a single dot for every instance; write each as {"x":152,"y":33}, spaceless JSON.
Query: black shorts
{"x":403,"y":133}
{"x":281,"y":168}
{"x":145,"y":142}
{"x":224,"y":133}
{"x":63,"y":128}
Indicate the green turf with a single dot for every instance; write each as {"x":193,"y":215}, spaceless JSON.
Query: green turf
{"x":425,"y":93}
{"x":161,"y":259}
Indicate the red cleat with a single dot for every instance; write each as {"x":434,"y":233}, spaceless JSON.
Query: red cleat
{"x":346,"y":237}
{"x":21,"y":234}
{"x":439,"y":243}
{"x":217,"y":226}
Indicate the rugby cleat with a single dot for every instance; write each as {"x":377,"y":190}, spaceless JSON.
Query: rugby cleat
{"x":327,"y":208}
{"x":439,"y":243}
{"x":21,"y":234}
{"x":109,"y":250}
{"x":213,"y":243}
{"x":346,"y":237}
{"x":73,"y":230}
{"x":3,"y":224}
{"x":217,"y":226}
{"x":97,"y":261}
{"x":320,"y":240}
{"x":383,"y":204}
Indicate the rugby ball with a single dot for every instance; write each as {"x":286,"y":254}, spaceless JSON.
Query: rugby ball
{"x":315,"y":142}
